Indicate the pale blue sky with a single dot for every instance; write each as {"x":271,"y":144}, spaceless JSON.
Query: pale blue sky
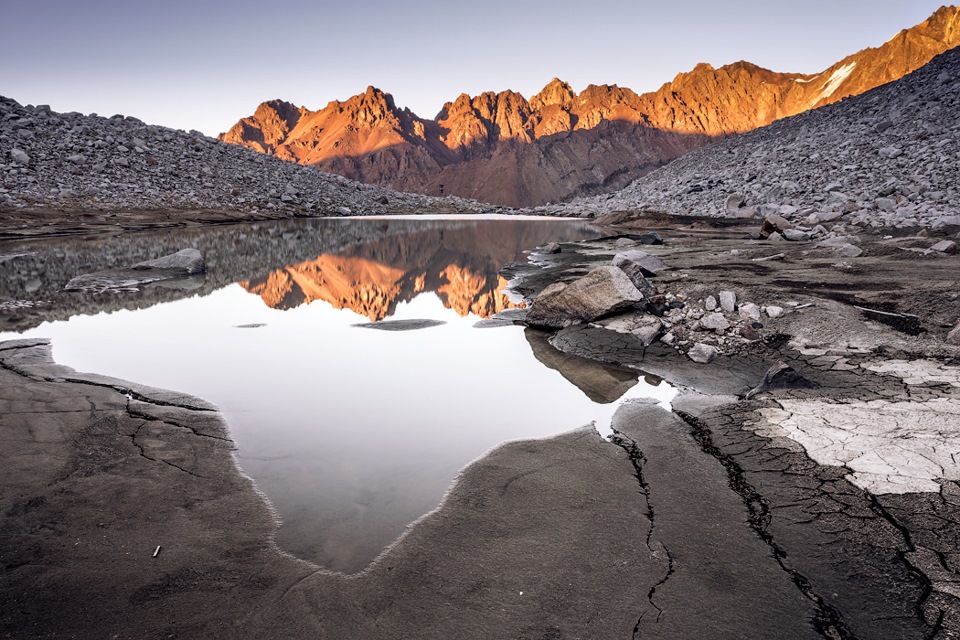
{"x":204,"y":64}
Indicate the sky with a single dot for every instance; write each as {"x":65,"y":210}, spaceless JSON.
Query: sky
{"x":205,"y":64}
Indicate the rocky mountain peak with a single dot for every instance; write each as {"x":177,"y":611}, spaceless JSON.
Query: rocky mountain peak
{"x":555,"y":92}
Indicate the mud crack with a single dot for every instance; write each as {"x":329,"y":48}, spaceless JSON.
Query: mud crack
{"x":656,"y":548}
{"x":828,"y":620}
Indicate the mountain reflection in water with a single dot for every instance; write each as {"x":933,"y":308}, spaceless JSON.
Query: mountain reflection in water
{"x":352,"y":434}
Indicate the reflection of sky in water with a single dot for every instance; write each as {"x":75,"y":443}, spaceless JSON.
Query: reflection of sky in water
{"x":352,"y":433}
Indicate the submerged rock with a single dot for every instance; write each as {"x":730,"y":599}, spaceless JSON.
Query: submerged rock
{"x":182,"y":264}
{"x":190,"y":261}
{"x":400,"y":325}
{"x":603,"y":291}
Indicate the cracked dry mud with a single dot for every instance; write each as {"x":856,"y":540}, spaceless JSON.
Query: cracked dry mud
{"x":795,"y":514}
{"x":849,"y":474}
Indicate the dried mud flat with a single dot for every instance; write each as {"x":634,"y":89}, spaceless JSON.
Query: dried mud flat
{"x":824,"y":506}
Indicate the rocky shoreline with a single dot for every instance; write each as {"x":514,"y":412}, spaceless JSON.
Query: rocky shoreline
{"x":828,"y":396}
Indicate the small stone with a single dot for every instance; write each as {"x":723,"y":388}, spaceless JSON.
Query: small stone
{"x":710,"y":304}
{"x":795,"y":235}
{"x":788,"y":210}
{"x":829,"y":216}
{"x":890,"y":152}
{"x":885,"y":204}
{"x":773,"y":311}
{"x":749,"y":333}
{"x":733,"y":203}
{"x":749,"y":311}
{"x":19,"y":156}
{"x":702,"y":353}
{"x":715,"y":322}
{"x":769,"y":210}
{"x":728,"y":301}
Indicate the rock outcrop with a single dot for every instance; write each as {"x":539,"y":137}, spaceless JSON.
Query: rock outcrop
{"x":506,"y":149}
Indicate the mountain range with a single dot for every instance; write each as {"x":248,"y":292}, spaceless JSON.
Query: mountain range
{"x":506,"y":149}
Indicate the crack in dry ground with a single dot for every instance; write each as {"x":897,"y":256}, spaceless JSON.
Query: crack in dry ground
{"x":829,"y":620}
{"x":637,"y":459}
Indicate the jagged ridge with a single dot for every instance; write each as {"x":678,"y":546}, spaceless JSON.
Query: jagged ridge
{"x":504,"y":148}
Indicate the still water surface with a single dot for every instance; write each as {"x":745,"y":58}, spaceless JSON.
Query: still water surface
{"x":353,"y":433}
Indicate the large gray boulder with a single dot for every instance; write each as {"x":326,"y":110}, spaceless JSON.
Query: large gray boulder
{"x":603,"y":291}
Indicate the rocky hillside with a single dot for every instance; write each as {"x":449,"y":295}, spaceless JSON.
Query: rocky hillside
{"x":888,"y":158}
{"x":505,"y":148}
{"x":75,"y":162}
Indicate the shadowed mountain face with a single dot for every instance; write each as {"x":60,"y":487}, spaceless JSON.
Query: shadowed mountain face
{"x":459,"y":264}
{"x":507,"y":149}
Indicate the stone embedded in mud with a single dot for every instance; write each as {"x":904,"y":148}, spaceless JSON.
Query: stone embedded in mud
{"x":773,"y":311}
{"x":603,"y":291}
{"x":647,"y":328}
{"x":189,"y":261}
{"x":702,"y":353}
